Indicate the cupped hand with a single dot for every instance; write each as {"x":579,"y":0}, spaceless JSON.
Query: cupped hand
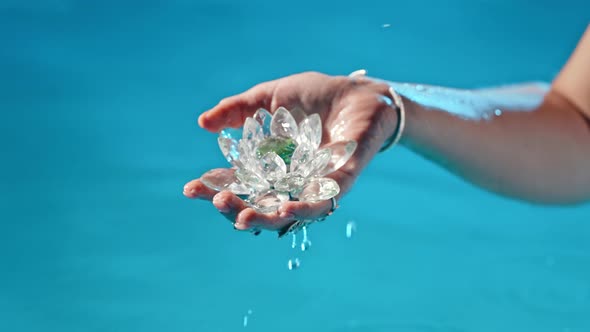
{"x":351,"y":108}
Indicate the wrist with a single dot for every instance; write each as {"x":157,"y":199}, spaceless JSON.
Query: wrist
{"x":397,"y":117}
{"x":393,"y":122}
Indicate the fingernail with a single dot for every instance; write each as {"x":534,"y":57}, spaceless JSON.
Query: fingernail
{"x":220,"y":204}
{"x":223,"y":208}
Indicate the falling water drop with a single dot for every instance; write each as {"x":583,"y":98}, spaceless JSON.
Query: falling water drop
{"x":293,"y":264}
{"x":293,"y":241}
{"x":498,"y":112}
{"x":305,"y":243}
{"x":350,"y":229}
{"x":246,"y":316}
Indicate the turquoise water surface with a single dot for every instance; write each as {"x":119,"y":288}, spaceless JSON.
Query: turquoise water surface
{"x":98,"y":135}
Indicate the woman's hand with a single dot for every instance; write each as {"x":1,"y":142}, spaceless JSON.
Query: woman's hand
{"x":350,"y":109}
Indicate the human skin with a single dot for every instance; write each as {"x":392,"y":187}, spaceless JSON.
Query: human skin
{"x":537,"y":150}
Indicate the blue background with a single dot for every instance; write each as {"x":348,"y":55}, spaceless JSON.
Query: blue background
{"x":98,"y":135}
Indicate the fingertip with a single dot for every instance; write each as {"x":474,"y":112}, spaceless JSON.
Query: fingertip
{"x":225,"y":201}
{"x":197,"y":189}
{"x":241,"y":226}
{"x":245,"y":219}
{"x":201,"y":120}
{"x":190,"y":193}
{"x":206,"y":121}
{"x":189,"y":190}
{"x":246,"y":216}
{"x":221,"y":205}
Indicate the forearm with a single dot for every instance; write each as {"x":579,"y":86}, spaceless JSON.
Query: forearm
{"x":516,"y":141}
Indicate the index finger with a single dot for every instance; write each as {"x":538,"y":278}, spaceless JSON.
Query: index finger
{"x":232,"y":111}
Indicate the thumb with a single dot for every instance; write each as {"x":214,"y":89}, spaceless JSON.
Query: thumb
{"x":232,"y":111}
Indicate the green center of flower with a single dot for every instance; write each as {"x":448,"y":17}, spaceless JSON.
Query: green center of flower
{"x":283,"y":147}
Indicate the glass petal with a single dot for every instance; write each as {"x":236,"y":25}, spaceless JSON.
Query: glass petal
{"x":252,"y":132}
{"x":247,"y":157}
{"x":230,"y":149}
{"x":219,"y":178}
{"x":268,"y":201}
{"x":232,"y":133}
{"x":283,"y":124}
{"x":304,"y":132}
{"x":319,"y":162}
{"x":263,"y":117}
{"x":252,"y":180}
{"x":272,"y":166}
{"x":310,"y":130}
{"x":341,"y":153}
{"x":238,"y":188}
{"x":301,"y":157}
{"x":291,"y":183}
{"x":298,"y":114}
{"x":319,"y":189}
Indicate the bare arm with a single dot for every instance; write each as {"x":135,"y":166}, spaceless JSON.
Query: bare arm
{"x":520,"y":141}
{"x":530,"y":142}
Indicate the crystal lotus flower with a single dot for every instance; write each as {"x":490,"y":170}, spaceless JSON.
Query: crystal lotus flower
{"x":276,"y":159}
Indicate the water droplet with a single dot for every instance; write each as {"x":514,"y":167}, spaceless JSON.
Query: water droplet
{"x":293,"y":241}
{"x":386,"y":25}
{"x":419,"y":87}
{"x":305,"y":245}
{"x":350,"y":229}
{"x":498,"y":112}
{"x":246,"y":316}
{"x":293,"y":264}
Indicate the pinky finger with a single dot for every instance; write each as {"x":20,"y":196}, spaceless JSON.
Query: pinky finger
{"x":196,"y":189}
